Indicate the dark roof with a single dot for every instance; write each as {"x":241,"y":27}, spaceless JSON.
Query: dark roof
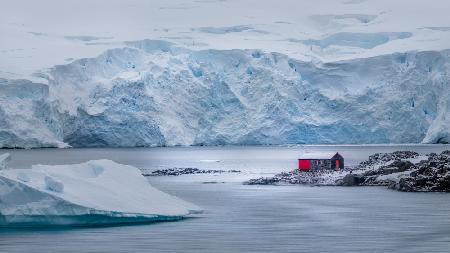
{"x":319,"y":155}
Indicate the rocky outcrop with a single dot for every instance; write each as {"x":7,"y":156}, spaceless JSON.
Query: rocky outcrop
{"x":382,"y":175}
{"x":428,"y":175}
{"x":400,"y":170}
{"x":184,"y":171}
{"x":351,"y":180}
{"x":380,"y":158}
{"x":432,"y":175}
{"x":325,"y":177}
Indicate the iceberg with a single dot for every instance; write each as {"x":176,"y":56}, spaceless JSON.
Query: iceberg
{"x":99,"y":192}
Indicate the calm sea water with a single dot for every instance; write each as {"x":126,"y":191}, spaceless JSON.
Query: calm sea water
{"x":241,"y":218}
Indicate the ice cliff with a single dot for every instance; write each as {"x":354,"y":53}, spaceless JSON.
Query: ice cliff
{"x":155,"y":93}
{"x":92,"y":193}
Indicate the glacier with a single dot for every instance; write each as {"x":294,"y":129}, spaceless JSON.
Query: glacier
{"x":99,"y":192}
{"x":335,"y":72}
{"x":156,"y":93}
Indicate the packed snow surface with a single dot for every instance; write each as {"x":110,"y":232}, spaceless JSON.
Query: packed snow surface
{"x":154,"y":73}
{"x":48,"y":32}
{"x":4,"y":160}
{"x":90,"y":193}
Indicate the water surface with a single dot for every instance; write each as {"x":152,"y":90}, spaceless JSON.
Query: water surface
{"x":241,"y":218}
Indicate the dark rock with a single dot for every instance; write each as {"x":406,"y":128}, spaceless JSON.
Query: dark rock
{"x":401,"y":166}
{"x":446,"y":152}
{"x":430,"y":175}
{"x":262,"y":181}
{"x":185,"y":171}
{"x":402,"y":185}
{"x":352,"y":180}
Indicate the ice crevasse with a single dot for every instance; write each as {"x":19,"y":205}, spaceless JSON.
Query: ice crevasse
{"x":92,"y":193}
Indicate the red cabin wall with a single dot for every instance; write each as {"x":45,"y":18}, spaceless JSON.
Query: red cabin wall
{"x":304,"y":165}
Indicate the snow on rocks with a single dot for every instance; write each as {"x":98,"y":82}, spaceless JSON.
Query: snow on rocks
{"x":381,"y":169}
{"x":91,"y":193}
{"x":408,"y":172}
{"x":384,"y":158}
{"x":376,"y":164}
{"x":429,"y":175}
{"x":185,"y":171}
{"x":400,"y":170}
{"x":297,"y":177}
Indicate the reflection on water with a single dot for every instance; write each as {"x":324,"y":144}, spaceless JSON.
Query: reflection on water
{"x":242,"y":218}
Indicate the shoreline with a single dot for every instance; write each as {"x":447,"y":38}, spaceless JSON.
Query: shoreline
{"x":224,"y":146}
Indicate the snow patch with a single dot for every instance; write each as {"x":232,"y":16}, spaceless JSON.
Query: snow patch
{"x":209,"y":161}
{"x":415,"y":159}
{"x":362,"y":40}
{"x":334,"y":22}
{"x":86,"y":38}
{"x":224,"y":30}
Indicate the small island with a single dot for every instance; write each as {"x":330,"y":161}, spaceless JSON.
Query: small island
{"x":401,"y":170}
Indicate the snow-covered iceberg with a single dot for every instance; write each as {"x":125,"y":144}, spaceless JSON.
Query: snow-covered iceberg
{"x":91,"y":193}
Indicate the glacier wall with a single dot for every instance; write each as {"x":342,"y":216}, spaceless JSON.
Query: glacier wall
{"x":153,"y":93}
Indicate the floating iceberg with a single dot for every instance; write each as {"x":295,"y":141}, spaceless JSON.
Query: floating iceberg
{"x":93,"y":193}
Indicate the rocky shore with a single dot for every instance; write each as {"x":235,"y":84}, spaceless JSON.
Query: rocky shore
{"x":185,"y":171}
{"x":400,"y":170}
{"x":297,"y":177}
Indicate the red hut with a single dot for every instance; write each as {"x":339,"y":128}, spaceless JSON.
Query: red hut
{"x":320,"y":161}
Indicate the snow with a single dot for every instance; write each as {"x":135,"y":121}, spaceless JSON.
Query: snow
{"x":4,"y":160}
{"x":317,"y":155}
{"x":394,"y":177}
{"x":209,"y":161}
{"x":153,"y":73}
{"x":417,"y":159}
{"x":51,"y":184}
{"x":361,"y":40}
{"x":32,"y":43}
{"x":93,"y":192}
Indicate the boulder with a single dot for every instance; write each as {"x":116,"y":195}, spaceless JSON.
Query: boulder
{"x":352,"y":180}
